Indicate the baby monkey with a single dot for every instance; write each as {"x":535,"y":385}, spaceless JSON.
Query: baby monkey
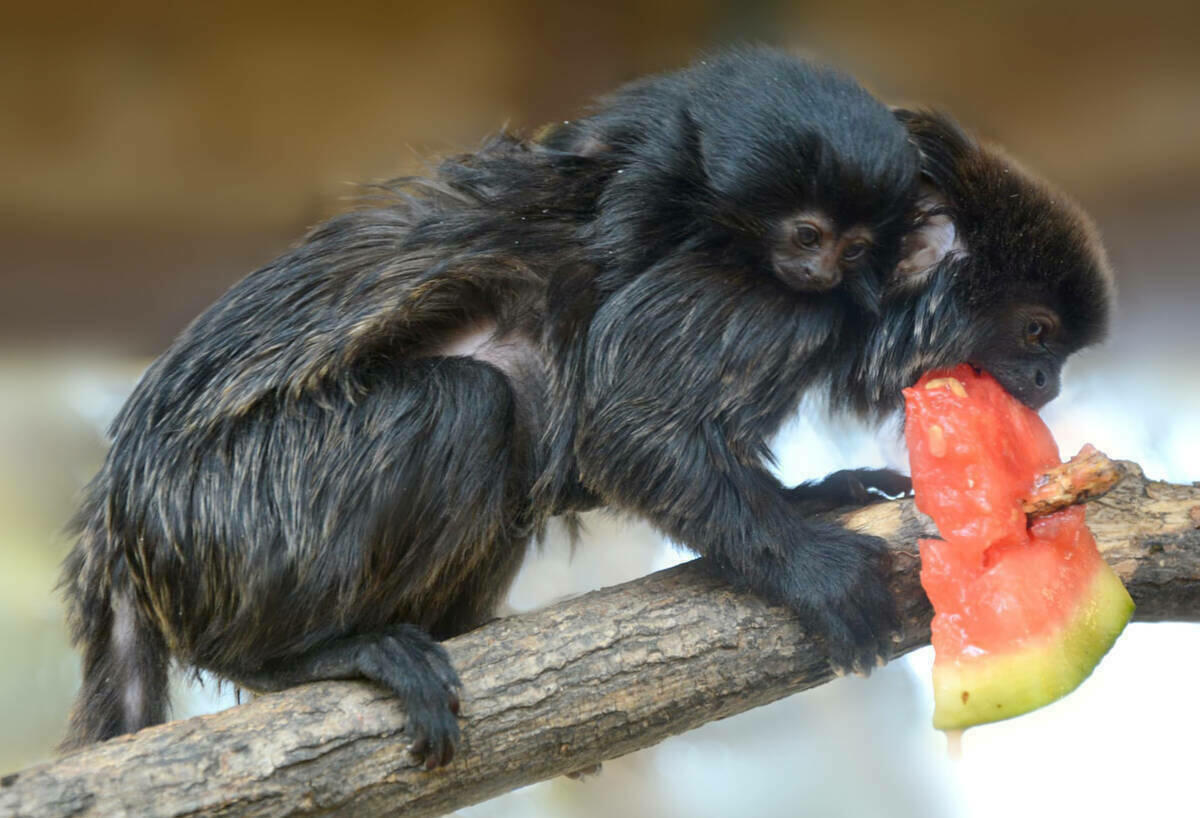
{"x":783,"y":166}
{"x":811,"y":254}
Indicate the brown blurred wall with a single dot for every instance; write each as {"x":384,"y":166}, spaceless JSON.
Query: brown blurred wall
{"x":152,"y":153}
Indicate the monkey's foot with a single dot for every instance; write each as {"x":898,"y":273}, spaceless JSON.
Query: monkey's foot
{"x":402,"y":658}
{"x":850,"y":487}
{"x":416,"y":668}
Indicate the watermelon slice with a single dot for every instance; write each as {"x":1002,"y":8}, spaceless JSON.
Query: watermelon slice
{"x":1022,"y":612}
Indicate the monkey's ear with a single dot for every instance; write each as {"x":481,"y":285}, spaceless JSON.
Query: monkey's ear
{"x":932,"y":239}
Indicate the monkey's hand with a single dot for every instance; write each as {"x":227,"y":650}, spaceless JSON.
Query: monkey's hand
{"x":836,"y":580}
{"x":849,"y":487}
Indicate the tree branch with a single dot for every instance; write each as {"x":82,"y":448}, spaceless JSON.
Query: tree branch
{"x":557,"y":690}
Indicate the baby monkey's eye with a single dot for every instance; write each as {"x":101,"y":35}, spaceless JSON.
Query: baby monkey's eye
{"x":1035,"y":331}
{"x":807,"y":234}
{"x":855,"y":251}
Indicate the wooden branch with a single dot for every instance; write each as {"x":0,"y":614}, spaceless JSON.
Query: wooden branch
{"x":555,"y":691}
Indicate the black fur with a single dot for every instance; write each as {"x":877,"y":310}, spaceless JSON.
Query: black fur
{"x":314,"y":478}
{"x":733,"y":146}
{"x":1023,"y":250}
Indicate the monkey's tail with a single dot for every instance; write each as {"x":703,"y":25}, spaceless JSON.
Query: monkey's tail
{"x":125,"y":657}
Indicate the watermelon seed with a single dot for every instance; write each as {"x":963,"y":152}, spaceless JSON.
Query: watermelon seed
{"x":937,"y":441}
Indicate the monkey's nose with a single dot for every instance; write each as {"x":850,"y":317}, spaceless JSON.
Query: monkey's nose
{"x":807,"y":277}
{"x":1043,"y":387}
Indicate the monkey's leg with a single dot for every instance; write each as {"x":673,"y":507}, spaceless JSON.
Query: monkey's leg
{"x":850,"y":487}
{"x":363,"y":527}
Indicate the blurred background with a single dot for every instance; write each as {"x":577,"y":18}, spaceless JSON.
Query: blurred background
{"x":151,"y":154}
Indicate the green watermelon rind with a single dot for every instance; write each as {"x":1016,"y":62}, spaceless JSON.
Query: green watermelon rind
{"x":977,"y":690}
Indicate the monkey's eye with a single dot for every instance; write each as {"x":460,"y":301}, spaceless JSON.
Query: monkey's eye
{"x":807,"y":235}
{"x":1035,"y":331}
{"x":855,"y":251}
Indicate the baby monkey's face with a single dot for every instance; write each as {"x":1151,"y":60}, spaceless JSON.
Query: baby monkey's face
{"x":810,"y":253}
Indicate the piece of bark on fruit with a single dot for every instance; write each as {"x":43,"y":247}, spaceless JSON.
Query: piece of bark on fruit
{"x":1085,"y":476}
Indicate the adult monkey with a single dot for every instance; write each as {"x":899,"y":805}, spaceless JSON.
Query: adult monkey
{"x":544,"y":330}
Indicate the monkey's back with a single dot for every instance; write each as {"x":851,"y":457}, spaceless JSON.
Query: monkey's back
{"x":313,"y":457}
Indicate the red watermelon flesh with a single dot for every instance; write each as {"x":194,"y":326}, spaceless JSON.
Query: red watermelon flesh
{"x":1022,"y":613}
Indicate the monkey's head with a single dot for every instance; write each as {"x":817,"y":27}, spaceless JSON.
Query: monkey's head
{"x":774,"y":164}
{"x":1000,"y":271}
{"x":811,"y":168}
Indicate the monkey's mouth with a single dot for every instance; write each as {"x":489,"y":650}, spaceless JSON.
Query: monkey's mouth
{"x":800,"y":278}
{"x":1030,"y":384}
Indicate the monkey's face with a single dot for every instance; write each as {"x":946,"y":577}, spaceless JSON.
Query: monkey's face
{"x":813,"y":173}
{"x":1025,"y":353}
{"x":999,"y":271}
{"x":810,"y":253}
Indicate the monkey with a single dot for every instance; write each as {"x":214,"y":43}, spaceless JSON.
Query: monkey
{"x":342,"y":461}
{"x":810,"y":240}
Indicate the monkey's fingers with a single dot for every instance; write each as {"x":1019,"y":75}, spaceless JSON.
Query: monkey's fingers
{"x":439,"y":664}
{"x":850,"y":488}
{"x":886,"y":482}
{"x":872,"y":617}
{"x":852,"y":648}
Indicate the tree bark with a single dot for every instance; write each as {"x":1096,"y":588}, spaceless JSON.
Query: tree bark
{"x":555,"y":691}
